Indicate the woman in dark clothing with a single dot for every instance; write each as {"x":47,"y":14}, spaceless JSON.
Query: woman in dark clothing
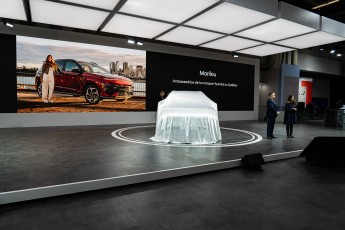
{"x":290,"y":116}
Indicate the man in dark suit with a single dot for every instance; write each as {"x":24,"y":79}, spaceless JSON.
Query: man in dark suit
{"x":271,"y":114}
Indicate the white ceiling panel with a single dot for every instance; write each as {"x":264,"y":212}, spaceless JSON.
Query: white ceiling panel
{"x":66,"y":15}
{"x":13,"y":9}
{"x":265,"y":50}
{"x":275,"y":30}
{"x":229,"y":18}
{"x":168,"y":10}
{"x":103,"y":4}
{"x":310,"y":40}
{"x":121,"y":24}
{"x":231,"y":43}
{"x":189,"y":36}
{"x":230,"y":25}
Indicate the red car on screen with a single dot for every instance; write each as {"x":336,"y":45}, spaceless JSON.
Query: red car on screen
{"x":88,"y":79}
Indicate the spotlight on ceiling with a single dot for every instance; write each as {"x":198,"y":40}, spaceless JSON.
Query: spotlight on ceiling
{"x":8,"y":23}
{"x":135,"y":41}
{"x":332,"y":51}
{"x":338,"y":55}
{"x":235,"y":55}
{"x":131,"y":41}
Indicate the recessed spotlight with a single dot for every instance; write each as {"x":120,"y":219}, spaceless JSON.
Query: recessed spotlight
{"x":338,"y":55}
{"x":235,"y":55}
{"x":130,"y":41}
{"x":332,"y":51}
{"x":140,"y":43}
{"x":8,"y":24}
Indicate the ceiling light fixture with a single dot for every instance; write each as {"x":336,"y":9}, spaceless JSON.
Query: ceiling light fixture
{"x":235,"y":55}
{"x":338,"y":55}
{"x":332,"y":51}
{"x":135,"y":41}
{"x":8,"y":23}
{"x":325,"y":4}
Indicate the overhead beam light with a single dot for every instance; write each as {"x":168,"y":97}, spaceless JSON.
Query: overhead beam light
{"x":325,"y":4}
{"x":8,"y":24}
{"x":135,"y":41}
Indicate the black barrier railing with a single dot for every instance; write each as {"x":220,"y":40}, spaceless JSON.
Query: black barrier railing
{"x":139,"y":88}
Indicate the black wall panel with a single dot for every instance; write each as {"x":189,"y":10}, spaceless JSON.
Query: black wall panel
{"x":8,"y":76}
{"x":229,"y":84}
{"x":325,"y":151}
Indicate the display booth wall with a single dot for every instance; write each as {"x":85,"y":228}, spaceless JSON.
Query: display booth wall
{"x":10,"y":118}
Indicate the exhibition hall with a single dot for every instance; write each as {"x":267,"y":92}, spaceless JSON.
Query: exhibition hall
{"x":171,"y":114}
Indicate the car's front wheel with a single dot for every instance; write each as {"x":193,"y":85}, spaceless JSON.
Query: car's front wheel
{"x":92,"y":94}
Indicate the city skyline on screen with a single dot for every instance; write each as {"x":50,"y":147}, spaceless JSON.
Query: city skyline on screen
{"x":31,"y":52}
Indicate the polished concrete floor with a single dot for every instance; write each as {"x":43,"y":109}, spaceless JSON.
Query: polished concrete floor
{"x":285,"y":194}
{"x":288,"y":194}
{"x":46,"y":156}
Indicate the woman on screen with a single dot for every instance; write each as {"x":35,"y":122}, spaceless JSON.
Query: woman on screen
{"x":47,"y":79}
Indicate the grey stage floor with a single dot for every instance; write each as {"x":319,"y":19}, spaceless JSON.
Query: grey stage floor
{"x":286,"y":195}
{"x":45,"y":156}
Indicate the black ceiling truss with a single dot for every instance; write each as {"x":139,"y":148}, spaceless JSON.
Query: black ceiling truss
{"x":116,"y":9}
{"x":190,"y":18}
{"x":27,"y":10}
{"x":79,"y":5}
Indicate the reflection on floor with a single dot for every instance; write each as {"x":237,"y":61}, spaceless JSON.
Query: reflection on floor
{"x":48,"y":156}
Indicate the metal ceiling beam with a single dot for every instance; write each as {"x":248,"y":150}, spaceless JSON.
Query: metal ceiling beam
{"x":79,"y":5}
{"x":118,"y":6}
{"x":190,"y":18}
{"x":27,"y":10}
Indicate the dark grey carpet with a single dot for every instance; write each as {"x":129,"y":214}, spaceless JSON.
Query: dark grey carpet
{"x":287,"y":194}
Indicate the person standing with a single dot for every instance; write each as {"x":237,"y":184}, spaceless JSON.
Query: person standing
{"x":290,"y":116}
{"x":48,"y":69}
{"x":271,"y":114}
{"x":162,"y":95}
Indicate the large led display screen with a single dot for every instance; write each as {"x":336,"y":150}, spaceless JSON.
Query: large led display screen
{"x":230,"y":85}
{"x":90,"y":78}
{"x":96,"y":78}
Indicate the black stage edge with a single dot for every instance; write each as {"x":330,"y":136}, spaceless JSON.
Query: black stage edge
{"x":325,"y":151}
{"x":84,"y":186}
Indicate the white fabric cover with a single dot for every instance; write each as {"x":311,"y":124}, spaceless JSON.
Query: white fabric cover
{"x":187,"y":117}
